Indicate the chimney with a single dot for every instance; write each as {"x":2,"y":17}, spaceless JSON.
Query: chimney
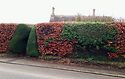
{"x":93,"y":12}
{"x":53,"y":11}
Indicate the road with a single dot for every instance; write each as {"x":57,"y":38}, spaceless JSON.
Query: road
{"x":13,"y":71}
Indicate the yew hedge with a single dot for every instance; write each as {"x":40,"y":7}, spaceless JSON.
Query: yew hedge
{"x":19,"y":40}
{"x":32,"y":47}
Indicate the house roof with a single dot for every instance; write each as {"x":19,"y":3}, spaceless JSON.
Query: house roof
{"x":71,"y":18}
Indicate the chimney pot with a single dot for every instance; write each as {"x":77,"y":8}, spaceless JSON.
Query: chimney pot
{"x":93,"y":12}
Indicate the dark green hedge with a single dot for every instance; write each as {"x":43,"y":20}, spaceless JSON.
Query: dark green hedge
{"x":90,"y":35}
{"x":32,"y":48}
{"x":18,"y":43}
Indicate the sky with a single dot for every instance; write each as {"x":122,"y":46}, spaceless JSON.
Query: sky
{"x":37,"y":11}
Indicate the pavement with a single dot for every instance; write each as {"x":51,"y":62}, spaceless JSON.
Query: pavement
{"x":39,"y":64}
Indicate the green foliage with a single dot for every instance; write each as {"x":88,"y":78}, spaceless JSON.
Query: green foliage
{"x":48,"y":41}
{"x":110,"y":49}
{"x":18,"y":43}
{"x":89,"y":35}
{"x":50,"y":58}
{"x":32,"y":47}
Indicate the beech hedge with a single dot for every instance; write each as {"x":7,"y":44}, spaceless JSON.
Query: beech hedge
{"x":6,"y":34}
{"x":49,"y":40}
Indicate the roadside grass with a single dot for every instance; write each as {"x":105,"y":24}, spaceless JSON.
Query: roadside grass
{"x":119,"y":63}
{"x":93,"y":60}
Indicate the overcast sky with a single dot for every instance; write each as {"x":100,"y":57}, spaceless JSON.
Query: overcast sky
{"x":36,"y":11}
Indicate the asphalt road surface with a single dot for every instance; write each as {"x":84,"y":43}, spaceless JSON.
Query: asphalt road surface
{"x":13,"y":71}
